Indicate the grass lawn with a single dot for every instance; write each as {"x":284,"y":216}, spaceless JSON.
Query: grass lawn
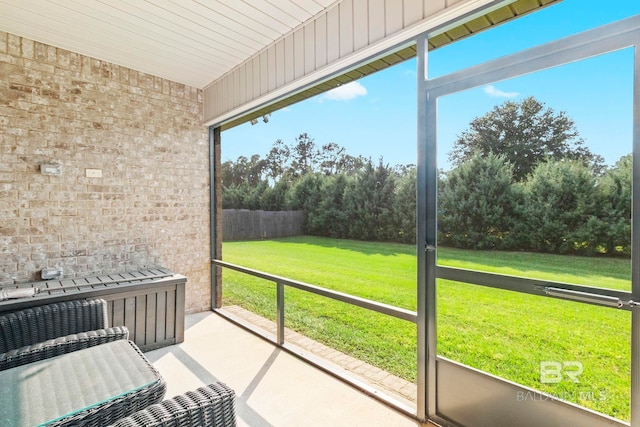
{"x":505,"y":333}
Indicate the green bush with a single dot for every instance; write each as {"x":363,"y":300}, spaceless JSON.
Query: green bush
{"x":562,"y":208}
{"x":616,"y":207}
{"x":330,"y":219}
{"x":476,"y":204}
{"x":369,"y":200}
{"x":405,"y":208}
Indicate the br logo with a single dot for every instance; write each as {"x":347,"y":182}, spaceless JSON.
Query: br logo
{"x":552,"y":372}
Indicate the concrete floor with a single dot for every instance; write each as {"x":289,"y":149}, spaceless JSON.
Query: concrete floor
{"x":273,"y":387}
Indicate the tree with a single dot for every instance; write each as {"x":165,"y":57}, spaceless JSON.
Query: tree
{"x":277,"y":161}
{"x":255,"y":170}
{"x":306,"y":194}
{"x":525,"y":133}
{"x":477,"y":204}
{"x":368,"y":202}
{"x":330,"y":216}
{"x":234,"y":196}
{"x":405,"y":204}
{"x":331,"y":158}
{"x":351,"y":165}
{"x":254,"y":194}
{"x":305,"y":156}
{"x":274,"y":198}
{"x":243,"y":171}
{"x":562,"y":208}
{"x":616,"y":207}
{"x":229,"y":177}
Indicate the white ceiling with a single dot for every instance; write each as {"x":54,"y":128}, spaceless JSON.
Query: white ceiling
{"x":188,"y":41}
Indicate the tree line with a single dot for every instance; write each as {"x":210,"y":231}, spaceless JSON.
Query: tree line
{"x":521,"y":179}
{"x":343,"y":196}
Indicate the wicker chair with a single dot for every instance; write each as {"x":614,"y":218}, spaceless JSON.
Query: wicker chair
{"x":209,"y":406}
{"x":51,"y":330}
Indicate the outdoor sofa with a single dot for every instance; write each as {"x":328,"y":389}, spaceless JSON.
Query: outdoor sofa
{"x":210,"y":406}
{"x":30,"y":341}
{"x":51,"y":330}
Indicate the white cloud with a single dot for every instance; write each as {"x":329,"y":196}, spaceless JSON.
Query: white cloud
{"x":345,"y":92}
{"x":494,"y":91}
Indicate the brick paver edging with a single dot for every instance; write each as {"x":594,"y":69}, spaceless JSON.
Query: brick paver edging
{"x":371,"y":374}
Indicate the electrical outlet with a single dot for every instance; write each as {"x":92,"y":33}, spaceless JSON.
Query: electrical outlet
{"x":50,"y":169}
{"x":52,"y":273}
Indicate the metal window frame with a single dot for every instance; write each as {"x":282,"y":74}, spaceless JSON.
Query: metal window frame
{"x":602,"y":40}
{"x":598,"y":41}
{"x":279,"y":338}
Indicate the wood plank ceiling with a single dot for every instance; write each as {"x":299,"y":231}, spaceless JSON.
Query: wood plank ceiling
{"x":192,"y":42}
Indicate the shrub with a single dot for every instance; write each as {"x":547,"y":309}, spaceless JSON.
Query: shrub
{"x":476,"y":204}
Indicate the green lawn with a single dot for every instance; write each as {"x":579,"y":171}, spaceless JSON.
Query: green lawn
{"x":505,"y":333}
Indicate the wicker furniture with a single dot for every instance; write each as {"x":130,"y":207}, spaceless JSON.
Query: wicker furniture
{"x":90,"y":387}
{"x":46,"y":331}
{"x":209,"y":406}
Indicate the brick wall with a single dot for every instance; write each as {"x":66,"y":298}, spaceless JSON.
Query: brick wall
{"x":151,"y":205}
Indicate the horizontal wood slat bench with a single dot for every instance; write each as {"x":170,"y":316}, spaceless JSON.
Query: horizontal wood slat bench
{"x":151,"y":303}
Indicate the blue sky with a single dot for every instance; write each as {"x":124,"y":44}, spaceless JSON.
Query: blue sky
{"x":376,"y":116}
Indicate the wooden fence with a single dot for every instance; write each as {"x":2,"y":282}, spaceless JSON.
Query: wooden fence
{"x":241,"y":224}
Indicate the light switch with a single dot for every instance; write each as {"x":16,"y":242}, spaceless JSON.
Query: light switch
{"x":93,"y":173}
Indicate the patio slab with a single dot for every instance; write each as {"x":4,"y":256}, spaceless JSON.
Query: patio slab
{"x":273,"y":387}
